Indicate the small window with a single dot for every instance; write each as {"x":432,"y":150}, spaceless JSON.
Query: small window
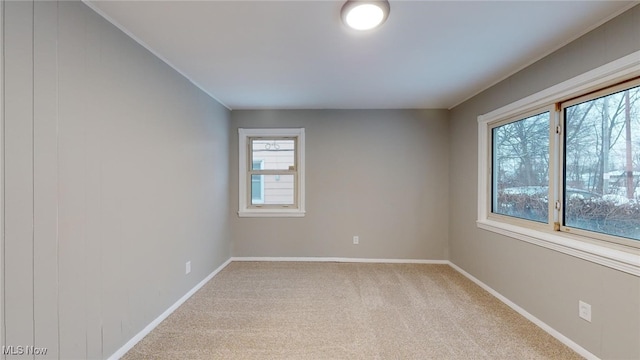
{"x":271,"y":170}
{"x":276,"y":170}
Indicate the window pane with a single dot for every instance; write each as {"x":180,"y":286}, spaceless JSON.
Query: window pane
{"x":520,"y":162}
{"x":277,"y":189}
{"x":257,"y":189}
{"x":602,"y":164}
{"x":276,"y":154}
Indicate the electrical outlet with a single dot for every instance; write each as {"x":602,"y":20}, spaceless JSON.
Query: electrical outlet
{"x":584,"y":310}
{"x":356,"y":240}
{"x":187,"y":268}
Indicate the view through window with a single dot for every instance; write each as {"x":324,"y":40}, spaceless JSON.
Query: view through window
{"x":602,"y":163}
{"x":521,"y":168}
{"x":597,"y":150}
{"x":273,"y":171}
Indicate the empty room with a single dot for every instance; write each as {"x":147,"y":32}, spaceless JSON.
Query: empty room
{"x":320,"y":179}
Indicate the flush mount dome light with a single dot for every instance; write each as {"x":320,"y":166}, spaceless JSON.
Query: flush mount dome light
{"x":364,"y":15}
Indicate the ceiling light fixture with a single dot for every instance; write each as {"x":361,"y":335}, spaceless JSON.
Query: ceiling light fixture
{"x":364,"y":15}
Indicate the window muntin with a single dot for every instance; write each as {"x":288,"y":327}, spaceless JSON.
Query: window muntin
{"x":601,"y":147}
{"x":520,"y":168}
{"x":271,"y":172}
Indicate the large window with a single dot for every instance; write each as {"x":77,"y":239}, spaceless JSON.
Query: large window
{"x":271,"y":172}
{"x":598,"y":173}
{"x":561,"y":168}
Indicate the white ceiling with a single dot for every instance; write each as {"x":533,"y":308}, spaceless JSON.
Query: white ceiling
{"x":298,"y":55}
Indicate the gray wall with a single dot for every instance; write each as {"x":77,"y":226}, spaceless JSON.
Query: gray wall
{"x":118,"y":171}
{"x":115,"y":176}
{"x":545,"y":283}
{"x":378,"y":174}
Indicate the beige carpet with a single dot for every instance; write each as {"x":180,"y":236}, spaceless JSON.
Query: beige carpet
{"x":266,"y":310}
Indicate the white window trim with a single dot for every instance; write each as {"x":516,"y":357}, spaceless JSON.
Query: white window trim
{"x":243,"y":156}
{"x":612,"y":256}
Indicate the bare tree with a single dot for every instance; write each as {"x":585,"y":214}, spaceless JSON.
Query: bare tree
{"x":608,"y":126}
{"x":628,"y":157}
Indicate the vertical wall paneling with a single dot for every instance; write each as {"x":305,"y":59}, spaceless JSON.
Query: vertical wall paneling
{"x":72,"y":204}
{"x":113,"y":291}
{"x":45,"y":120}
{"x":106,"y":170}
{"x":2,"y":323}
{"x":18,"y":110}
{"x":92,"y":167}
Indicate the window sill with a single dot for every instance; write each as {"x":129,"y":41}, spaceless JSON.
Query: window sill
{"x":628,"y":262}
{"x":271,"y":213}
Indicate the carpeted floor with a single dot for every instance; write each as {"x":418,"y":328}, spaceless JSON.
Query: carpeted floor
{"x":284,"y":310}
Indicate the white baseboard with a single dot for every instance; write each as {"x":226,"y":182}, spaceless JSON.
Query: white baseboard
{"x":139,"y":336}
{"x":342,"y":260}
{"x":551,"y":331}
